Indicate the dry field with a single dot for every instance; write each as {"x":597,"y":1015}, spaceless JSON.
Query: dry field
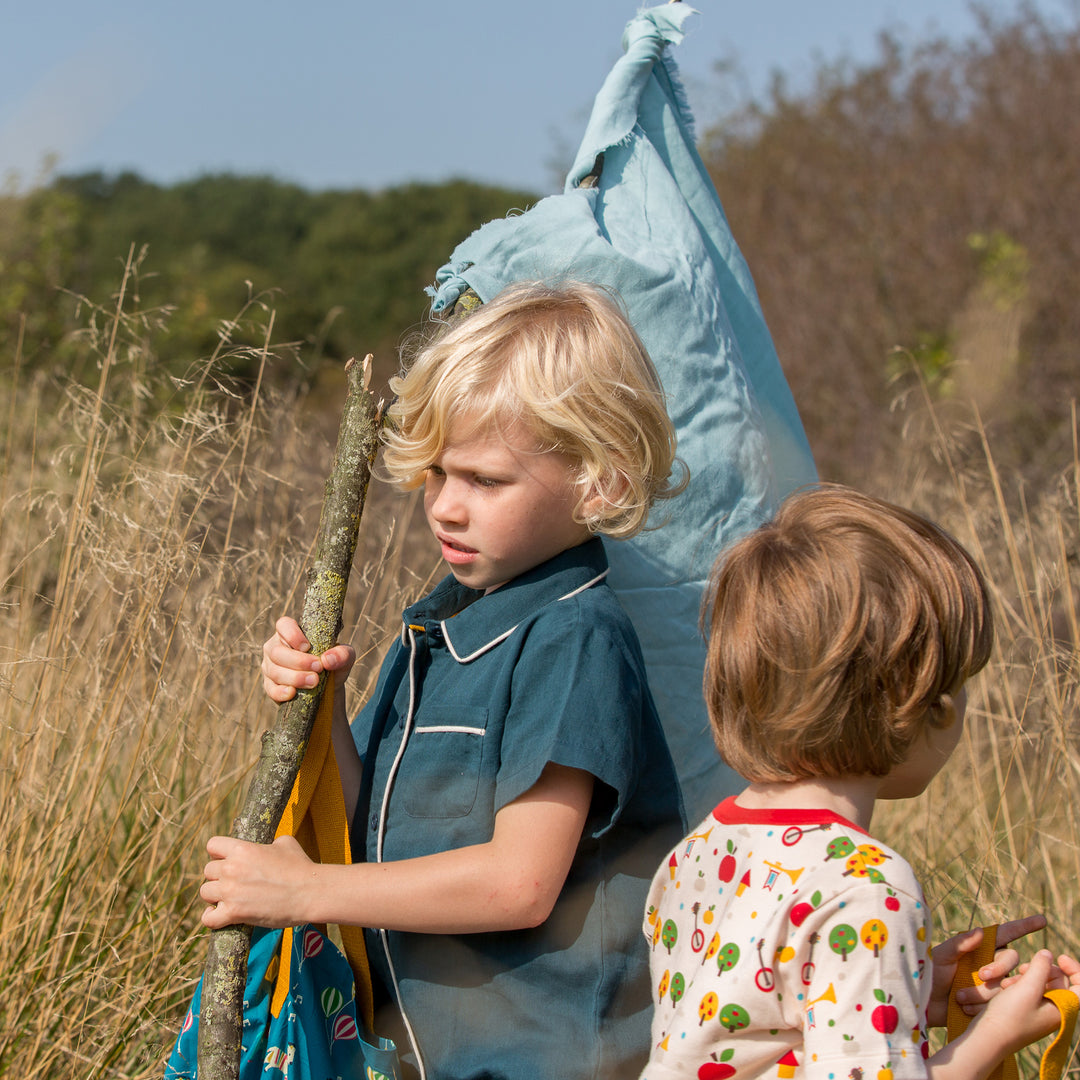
{"x":144,"y":553}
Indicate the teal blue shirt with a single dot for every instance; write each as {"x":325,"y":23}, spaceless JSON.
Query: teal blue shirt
{"x":545,"y":669}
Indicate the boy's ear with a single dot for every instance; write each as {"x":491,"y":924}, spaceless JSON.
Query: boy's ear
{"x":592,"y":503}
{"x":608,"y":491}
{"x":943,"y":712}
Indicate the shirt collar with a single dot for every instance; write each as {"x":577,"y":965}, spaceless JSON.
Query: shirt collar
{"x":729,"y":812}
{"x":472,"y":623}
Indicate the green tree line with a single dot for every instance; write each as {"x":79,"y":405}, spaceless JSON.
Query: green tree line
{"x":344,"y":271}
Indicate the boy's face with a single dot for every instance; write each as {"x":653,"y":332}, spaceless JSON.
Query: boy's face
{"x":498,"y":507}
{"x":928,"y":754}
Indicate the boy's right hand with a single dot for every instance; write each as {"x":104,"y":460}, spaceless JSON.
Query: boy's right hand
{"x":288,"y":664}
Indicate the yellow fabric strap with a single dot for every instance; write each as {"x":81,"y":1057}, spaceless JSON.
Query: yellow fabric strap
{"x":957,"y":1020}
{"x":315,"y":815}
{"x":1055,"y":1056}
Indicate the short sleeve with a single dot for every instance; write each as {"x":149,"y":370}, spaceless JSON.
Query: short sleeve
{"x":863,"y":997}
{"x":579,"y":699}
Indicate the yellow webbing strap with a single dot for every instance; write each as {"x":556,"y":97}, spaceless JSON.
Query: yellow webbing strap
{"x":1056,"y":1054}
{"x":315,"y":815}
{"x":966,"y":968}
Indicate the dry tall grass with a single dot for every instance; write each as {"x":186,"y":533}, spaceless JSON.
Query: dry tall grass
{"x":143,"y":555}
{"x":997,"y":835}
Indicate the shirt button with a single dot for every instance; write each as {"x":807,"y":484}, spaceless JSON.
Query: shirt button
{"x":374,"y":821}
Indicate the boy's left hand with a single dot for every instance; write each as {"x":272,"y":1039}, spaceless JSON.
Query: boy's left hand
{"x":255,"y":884}
{"x":946,"y":956}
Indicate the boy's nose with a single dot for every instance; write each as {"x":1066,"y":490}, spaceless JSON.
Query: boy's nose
{"x":448,"y":506}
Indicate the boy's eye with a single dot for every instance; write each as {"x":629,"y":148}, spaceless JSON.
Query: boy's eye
{"x":486,"y":481}
{"x":435,"y":470}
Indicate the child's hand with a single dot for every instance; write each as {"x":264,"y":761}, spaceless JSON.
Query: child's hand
{"x":947,"y":955}
{"x":1019,"y":1014}
{"x":256,"y":884}
{"x":1065,"y":975}
{"x":288,"y":665}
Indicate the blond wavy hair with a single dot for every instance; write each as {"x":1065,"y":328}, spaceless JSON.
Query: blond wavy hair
{"x":563,"y":363}
{"x":837,"y":633}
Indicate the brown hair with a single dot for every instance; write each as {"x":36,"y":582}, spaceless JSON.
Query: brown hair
{"x":563,"y":362}
{"x":837,"y":631}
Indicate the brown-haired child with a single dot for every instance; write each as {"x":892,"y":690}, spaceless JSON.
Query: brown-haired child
{"x":785,"y":940}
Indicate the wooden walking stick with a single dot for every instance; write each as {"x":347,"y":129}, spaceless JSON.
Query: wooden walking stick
{"x":221,"y":1016}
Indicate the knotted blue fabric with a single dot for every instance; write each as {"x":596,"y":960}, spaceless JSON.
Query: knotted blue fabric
{"x":653,"y":230}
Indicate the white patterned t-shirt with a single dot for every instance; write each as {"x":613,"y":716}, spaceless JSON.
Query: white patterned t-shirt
{"x":786,"y":944}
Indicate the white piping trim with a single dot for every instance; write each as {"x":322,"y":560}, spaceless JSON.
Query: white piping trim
{"x":410,"y":635}
{"x":588,"y":585}
{"x":384,"y":937}
{"x":506,"y":633}
{"x":483,"y":648}
{"x":452,"y":729}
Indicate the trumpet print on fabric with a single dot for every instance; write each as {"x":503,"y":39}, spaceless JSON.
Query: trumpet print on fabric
{"x":786,"y":944}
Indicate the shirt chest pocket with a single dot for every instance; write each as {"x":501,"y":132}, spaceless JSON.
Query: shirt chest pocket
{"x":443,"y":762}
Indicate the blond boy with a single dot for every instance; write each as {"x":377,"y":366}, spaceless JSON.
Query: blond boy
{"x":511,"y":783}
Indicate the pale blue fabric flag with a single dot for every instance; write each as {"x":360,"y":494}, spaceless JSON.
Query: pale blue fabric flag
{"x":653,"y":230}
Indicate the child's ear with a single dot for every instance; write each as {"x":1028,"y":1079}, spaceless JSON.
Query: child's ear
{"x":601,"y":493}
{"x":590,"y":509}
{"x":943,"y":712}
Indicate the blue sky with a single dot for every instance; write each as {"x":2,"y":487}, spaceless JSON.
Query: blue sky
{"x":371,"y":94}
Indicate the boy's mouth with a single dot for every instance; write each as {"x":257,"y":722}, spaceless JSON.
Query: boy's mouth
{"x":454,"y":552}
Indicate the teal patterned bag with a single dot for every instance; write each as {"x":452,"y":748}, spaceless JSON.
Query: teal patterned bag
{"x":316,"y":1034}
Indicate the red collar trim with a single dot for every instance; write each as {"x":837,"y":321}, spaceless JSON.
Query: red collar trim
{"x":729,"y":812}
